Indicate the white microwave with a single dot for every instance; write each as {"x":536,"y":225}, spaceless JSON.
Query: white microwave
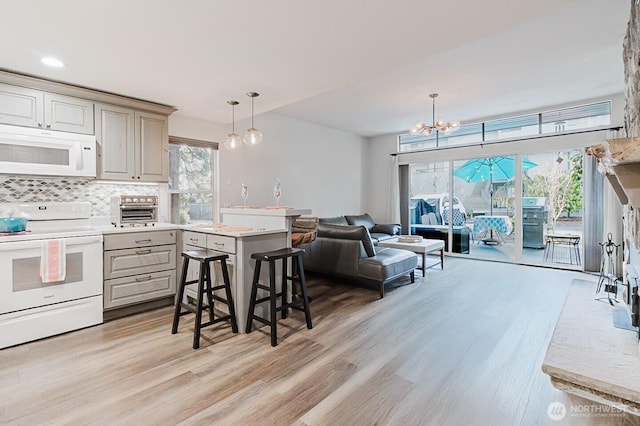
{"x":28,"y":151}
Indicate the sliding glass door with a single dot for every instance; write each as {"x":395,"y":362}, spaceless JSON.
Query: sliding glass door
{"x":552,"y":210}
{"x":514,"y":208}
{"x":486,"y":190}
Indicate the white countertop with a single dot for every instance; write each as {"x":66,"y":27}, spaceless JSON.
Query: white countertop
{"x":216,"y":229}
{"x":111,"y":229}
{"x":231,"y":231}
{"x":265,"y":211}
{"x":100,"y":228}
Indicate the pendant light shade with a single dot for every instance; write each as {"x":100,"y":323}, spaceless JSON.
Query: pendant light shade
{"x":252,"y":136}
{"x":233,"y":140}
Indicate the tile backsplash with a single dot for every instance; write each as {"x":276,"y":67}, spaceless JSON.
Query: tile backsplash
{"x":34,"y":189}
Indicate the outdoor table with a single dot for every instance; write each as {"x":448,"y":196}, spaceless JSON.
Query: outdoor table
{"x":482,"y":225}
{"x":571,"y":241}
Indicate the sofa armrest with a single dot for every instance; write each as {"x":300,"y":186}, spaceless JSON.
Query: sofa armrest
{"x":333,"y":255}
{"x":389,"y":228}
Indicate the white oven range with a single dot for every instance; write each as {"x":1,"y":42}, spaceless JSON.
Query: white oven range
{"x":31,"y":309}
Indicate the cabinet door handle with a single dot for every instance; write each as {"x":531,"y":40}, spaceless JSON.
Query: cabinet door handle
{"x":140,"y":279}
{"x":39,"y":124}
{"x":194,"y":240}
{"x":219,"y":244}
{"x":145,"y":251}
{"x":143,"y":241}
{"x":48,"y":125}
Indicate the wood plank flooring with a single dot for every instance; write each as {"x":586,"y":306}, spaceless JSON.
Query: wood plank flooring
{"x":463,"y":346}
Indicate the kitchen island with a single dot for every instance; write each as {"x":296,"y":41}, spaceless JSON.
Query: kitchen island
{"x":239,"y":242}
{"x":263,"y":217}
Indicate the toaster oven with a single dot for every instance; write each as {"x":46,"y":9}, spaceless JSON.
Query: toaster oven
{"x":129,"y":210}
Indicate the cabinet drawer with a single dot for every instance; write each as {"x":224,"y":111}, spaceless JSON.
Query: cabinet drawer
{"x":128,"y":262}
{"x":196,"y":239}
{"x":139,"y":288}
{"x":139,"y":239}
{"x":221,"y":243}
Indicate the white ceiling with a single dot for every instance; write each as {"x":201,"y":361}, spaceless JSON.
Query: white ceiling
{"x":356,"y":65}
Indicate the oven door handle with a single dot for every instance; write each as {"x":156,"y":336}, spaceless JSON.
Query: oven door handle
{"x":31,"y":244}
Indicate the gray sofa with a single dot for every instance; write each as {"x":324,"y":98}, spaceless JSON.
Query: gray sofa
{"x":378,"y":232}
{"x":348,"y":251}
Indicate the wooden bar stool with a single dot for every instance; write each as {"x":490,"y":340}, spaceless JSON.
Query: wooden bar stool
{"x":301,"y":304}
{"x":205,"y":258}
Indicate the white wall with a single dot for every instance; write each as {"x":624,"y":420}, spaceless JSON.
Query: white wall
{"x":318,"y":167}
{"x":192,"y":128}
{"x":379,"y":176}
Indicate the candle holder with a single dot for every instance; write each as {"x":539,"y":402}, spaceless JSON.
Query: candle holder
{"x":244,"y":194}
{"x":277,"y":192}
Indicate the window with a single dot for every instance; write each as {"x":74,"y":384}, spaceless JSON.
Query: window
{"x":556,"y":121}
{"x":512,"y":127}
{"x":191,"y":180}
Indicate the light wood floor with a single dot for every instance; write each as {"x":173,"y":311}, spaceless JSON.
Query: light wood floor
{"x":462,"y":347}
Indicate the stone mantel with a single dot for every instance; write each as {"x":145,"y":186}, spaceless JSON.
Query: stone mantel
{"x":589,"y":357}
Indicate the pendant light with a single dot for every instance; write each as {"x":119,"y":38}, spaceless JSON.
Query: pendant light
{"x":233,"y":140}
{"x":252,"y":136}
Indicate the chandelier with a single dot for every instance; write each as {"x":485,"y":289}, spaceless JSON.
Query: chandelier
{"x":437,"y":126}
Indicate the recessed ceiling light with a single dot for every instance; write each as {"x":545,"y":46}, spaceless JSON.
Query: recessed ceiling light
{"x":52,"y":62}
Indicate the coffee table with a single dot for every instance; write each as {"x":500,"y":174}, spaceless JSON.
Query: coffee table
{"x":421,"y":247}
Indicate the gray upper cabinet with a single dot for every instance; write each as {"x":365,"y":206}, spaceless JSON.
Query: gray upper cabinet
{"x":152,"y":147}
{"x":115,"y":139}
{"x":132,"y":134}
{"x":22,"y":106}
{"x":68,"y":114}
{"x":132,"y":145}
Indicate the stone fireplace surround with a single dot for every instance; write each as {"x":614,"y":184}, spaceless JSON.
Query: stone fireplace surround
{"x":587,"y":356}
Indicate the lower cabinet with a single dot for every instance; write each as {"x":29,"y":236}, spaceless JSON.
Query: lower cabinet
{"x":139,"y":267}
{"x":240,"y":265}
{"x":141,"y":288}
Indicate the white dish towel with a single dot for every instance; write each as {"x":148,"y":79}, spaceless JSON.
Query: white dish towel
{"x":53,"y":261}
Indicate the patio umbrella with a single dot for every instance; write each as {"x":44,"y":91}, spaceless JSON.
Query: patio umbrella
{"x":482,"y":169}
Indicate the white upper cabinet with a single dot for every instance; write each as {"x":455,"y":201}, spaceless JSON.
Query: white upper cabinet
{"x":22,"y":106}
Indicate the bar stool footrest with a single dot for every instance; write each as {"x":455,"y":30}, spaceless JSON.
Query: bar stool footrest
{"x":215,"y":321}
{"x":260,"y":319}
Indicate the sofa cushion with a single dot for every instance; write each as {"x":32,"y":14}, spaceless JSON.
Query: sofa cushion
{"x":458,"y":217}
{"x":338,"y":220}
{"x":389,"y":228}
{"x":348,"y":233}
{"x":387,"y":264}
{"x":363,"y":219}
{"x":377,"y":237}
